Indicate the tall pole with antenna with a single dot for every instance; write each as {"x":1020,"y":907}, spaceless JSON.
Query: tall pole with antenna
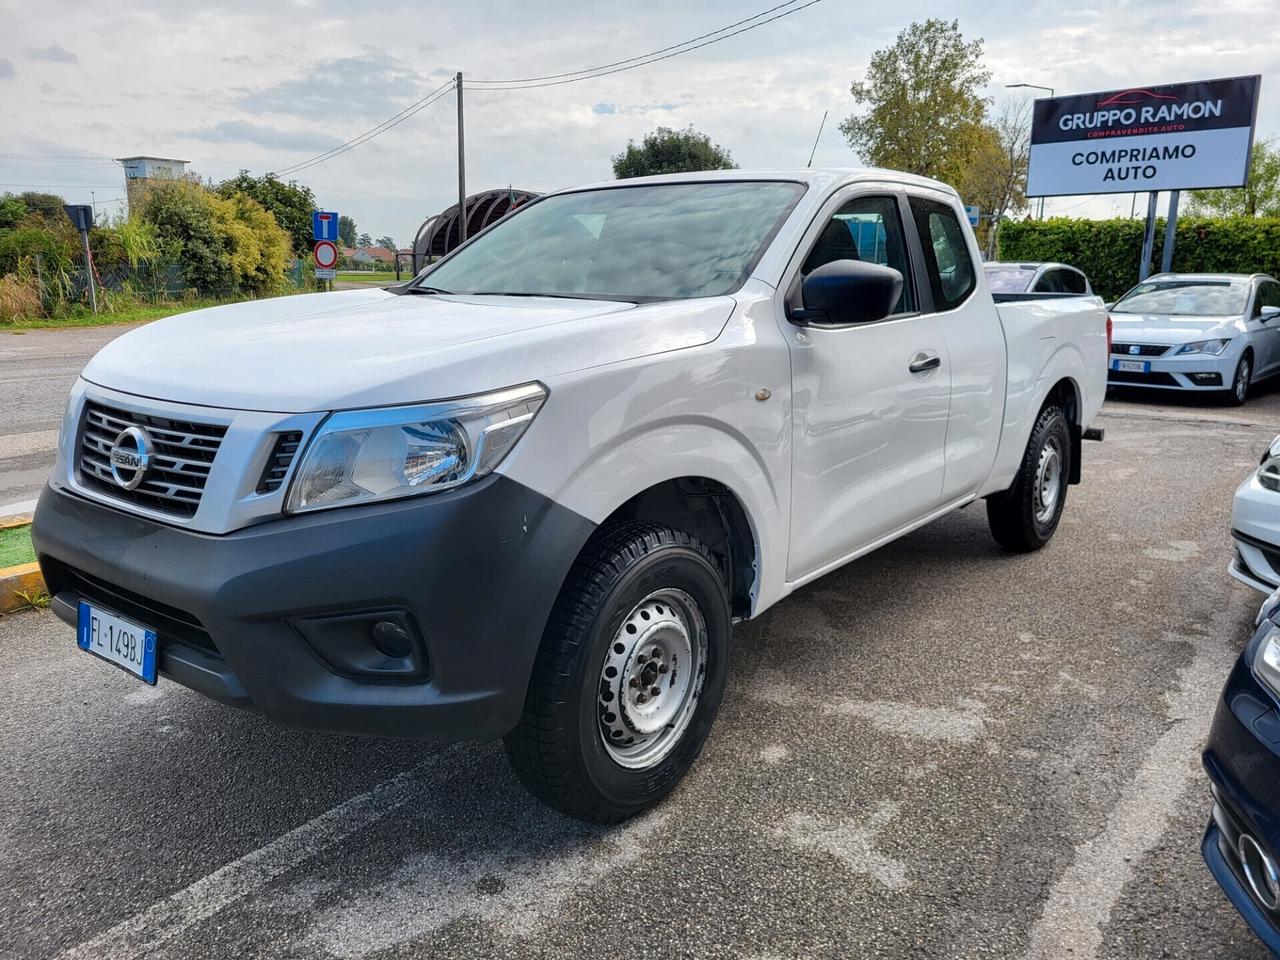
{"x":817,"y":138}
{"x":462,"y":169}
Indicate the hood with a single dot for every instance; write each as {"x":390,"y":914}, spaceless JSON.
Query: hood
{"x":1164,"y":329}
{"x":369,"y":347}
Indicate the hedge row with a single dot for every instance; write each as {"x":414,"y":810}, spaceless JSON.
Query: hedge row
{"x":1108,"y":251}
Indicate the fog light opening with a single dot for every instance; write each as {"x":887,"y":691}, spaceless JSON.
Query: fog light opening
{"x":1260,"y":871}
{"x":391,"y":640}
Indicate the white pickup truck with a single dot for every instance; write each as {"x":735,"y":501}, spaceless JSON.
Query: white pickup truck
{"x":528,"y":493}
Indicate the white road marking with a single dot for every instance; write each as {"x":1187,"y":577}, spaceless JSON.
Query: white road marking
{"x":851,"y":842}
{"x":512,"y":876}
{"x":166,"y":919}
{"x":1080,"y":902}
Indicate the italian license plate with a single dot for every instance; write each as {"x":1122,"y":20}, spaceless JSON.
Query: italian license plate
{"x":115,"y":639}
{"x":1131,"y":366}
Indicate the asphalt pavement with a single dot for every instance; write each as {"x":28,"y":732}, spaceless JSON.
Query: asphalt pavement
{"x":937,"y":751}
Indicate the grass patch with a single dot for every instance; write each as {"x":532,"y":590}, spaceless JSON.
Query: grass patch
{"x":15,"y":546}
{"x":138,"y":314}
{"x":369,"y":276}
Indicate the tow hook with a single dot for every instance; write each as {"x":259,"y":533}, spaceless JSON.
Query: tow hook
{"x":1095,"y":433}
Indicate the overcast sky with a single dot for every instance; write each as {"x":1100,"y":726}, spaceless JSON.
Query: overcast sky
{"x":260,"y":84}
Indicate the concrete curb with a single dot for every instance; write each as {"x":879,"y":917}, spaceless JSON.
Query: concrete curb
{"x":24,"y":578}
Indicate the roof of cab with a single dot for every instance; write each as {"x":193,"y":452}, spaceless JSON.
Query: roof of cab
{"x":818,"y":177}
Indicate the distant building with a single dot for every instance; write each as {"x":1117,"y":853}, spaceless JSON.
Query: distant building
{"x":140,"y":171}
{"x":373,"y":255}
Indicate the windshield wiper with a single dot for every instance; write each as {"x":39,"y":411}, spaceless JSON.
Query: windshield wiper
{"x":426,"y":290}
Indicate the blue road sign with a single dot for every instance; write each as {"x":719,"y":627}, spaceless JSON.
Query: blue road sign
{"x":324,"y":225}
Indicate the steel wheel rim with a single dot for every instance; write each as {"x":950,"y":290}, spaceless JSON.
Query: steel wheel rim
{"x":652,"y":679}
{"x":1242,"y":380}
{"x":1048,"y":486}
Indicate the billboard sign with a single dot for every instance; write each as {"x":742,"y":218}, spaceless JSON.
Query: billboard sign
{"x":1181,"y":136}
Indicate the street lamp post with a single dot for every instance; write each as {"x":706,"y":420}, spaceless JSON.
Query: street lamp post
{"x":1032,"y":86}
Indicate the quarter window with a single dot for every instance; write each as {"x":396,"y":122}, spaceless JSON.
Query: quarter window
{"x":1268,"y":295}
{"x":1073,"y":281}
{"x":870,"y":229}
{"x":946,"y":252}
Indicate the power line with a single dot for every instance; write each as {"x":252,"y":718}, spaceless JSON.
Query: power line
{"x":55,"y":156}
{"x":409,"y":111}
{"x":64,"y":186}
{"x":643,"y":56}
{"x":551,"y":80}
{"x":656,"y":59}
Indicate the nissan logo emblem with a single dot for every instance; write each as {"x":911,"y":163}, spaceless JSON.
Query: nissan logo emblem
{"x":130,"y":457}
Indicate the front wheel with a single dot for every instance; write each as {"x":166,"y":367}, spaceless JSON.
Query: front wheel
{"x":1239,"y":391}
{"x":1024,"y":517}
{"x":629,"y":677}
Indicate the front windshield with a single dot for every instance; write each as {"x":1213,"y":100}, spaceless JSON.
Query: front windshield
{"x":1008,"y":278}
{"x":637,"y":243}
{"x":1186,"y":298}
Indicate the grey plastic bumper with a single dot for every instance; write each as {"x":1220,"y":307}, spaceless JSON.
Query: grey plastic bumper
{"x":477,"y":569}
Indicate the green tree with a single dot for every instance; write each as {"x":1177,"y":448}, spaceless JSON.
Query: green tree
{"x":224,"y":244}
{"x":289,"y":203}
{"x":364,"y":240}
{"x":671,"y":151}
{"x":46,"y":206}
{"x":12,"y":210}
{"x":925,"y":108}
{"x":346,"y":230}
{"x":385,"y":241}
{"x":1260,"y":196}
{"x":996,"y":178}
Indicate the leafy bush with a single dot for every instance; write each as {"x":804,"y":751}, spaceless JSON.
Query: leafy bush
{"x":290,"y":203}
{"x":226,"y":245}
{"x":1108,"y":251}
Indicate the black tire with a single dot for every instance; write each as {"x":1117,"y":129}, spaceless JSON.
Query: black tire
{"x":1019,"y":521}
{"x":1239,"y":391}
{"x":557,"y":748}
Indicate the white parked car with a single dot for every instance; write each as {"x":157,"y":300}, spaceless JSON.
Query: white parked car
{"x":1255,"y":525}
{"x":1213,"y":333}
{"x":528,"y":493}
{"x":1012,"y":278}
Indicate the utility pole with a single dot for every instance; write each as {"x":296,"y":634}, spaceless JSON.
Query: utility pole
{"x":462,"y":169}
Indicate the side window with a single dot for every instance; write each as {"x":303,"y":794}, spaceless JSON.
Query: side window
{"x":1268,"y":295}
{"x":1050,"y":282}
{"x":870,"y":229}
{"x":946,"y":254}
{"x":1072,"y":281}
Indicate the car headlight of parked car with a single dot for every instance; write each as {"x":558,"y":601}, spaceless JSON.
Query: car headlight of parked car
{"x":1266,"y":662}
{"x":364,"y":456}
{"x":1214,"y":347}
{"x":1269,"y":466}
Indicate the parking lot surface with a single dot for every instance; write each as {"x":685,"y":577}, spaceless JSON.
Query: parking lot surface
{"x":937,"y":751}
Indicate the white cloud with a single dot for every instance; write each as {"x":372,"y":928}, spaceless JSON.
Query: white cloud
{"x":241,"y":83}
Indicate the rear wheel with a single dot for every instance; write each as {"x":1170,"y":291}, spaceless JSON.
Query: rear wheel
{"x":1025,"y":516}
{"x":1239,"y":391}
{"x":629,"y":676}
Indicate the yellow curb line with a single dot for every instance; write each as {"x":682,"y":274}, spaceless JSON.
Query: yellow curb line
{"x":24,"y":578}
{"x":18,"y":521}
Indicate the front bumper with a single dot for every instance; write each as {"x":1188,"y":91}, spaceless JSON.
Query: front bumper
{"x":1242,"y":759}
{"x":473,"y":572}
{"x":1255,"y":528}
{"x":1191,"y":371}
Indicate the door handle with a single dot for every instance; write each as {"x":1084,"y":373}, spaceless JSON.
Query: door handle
{"x":924,"y":362}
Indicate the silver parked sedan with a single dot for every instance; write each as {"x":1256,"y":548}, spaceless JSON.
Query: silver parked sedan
{"x":1216,"y":332}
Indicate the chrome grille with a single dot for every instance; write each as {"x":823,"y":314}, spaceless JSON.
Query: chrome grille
{"x":175,"y":481}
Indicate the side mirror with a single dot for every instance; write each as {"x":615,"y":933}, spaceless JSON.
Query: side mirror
{"x":1269,"y":313}
{"x":848,"y":291}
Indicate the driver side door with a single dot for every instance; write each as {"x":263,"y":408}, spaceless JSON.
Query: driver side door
{"x":871,"y":400}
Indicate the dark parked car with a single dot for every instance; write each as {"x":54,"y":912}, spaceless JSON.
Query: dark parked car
{"x":1243,"y":761}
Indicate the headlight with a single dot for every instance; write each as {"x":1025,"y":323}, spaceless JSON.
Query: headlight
{"x":1269,"y":467}
{"x":1266,"y":662}
{"x":1214,"y":347}
{"x":362,"y":456}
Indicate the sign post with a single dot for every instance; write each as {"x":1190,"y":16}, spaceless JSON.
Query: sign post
{"x":81,"y":217}
{"x":324,"y":231}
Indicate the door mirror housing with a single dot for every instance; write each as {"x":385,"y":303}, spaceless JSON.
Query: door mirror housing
{"x":848,"y":292}
{"x":1269,"y":313}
